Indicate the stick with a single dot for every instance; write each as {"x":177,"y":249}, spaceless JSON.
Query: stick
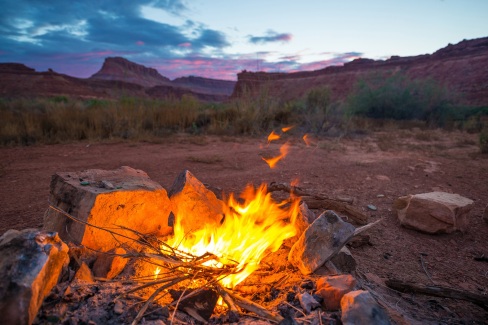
{"x":227,"y":298}
{"x":253,"y":307}
{"x":366,"y":227}
{"x":438,"y":291}
{"x":425,"y":270}
{"x":322,"y":202}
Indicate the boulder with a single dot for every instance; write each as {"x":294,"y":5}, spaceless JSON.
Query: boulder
{"x":333,"y":288}
{"x":193,"y":205}
{"x":31,"y":264}
{"x":106,"y":198}
{"x":359,"y":307}
{"x":434,"y":212}
{"x":323,"y":239}
{"x":109,"y":265}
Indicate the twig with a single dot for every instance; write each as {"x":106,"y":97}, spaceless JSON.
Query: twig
{"x":425,"y":269}
{"x":366,"y":227}
{"x":300,"y":311}
{"x":226,"y":297}
{"x":151,"y":298}
{"x":253,"y":307}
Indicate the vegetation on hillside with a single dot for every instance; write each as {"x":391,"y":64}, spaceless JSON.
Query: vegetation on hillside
{"x":373,"y":101}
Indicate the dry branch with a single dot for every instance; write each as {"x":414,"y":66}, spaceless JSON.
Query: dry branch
{"x":340,"y":205}
{"x":253,"y":307}
{"x":438,"y":291}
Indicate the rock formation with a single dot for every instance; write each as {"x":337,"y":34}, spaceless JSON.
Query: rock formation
{"x":461,"y":67}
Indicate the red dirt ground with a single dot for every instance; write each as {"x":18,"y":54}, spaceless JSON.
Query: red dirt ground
{"x":391,"y":163}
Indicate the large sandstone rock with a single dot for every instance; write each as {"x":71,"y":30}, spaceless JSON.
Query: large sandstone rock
{"x":323,"y":239}
{"x":193,"y":205}
{"x":359,"y":307}
{"x":107,"y":198}
{"x":30,"y":265}
{"x":333,"y":288}
{"x":434,"y":213}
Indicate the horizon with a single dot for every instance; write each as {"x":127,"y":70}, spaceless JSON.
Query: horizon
{"x":219,"y":39}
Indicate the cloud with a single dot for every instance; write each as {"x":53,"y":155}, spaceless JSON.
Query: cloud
{"x":270,"y":37}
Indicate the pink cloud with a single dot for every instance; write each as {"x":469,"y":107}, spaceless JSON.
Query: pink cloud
{"x":140,"y":43}
{"x":186,"y":44}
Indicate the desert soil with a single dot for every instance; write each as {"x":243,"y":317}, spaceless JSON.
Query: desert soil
{"x":373,"y":169}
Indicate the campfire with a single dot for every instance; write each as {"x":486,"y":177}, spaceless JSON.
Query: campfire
{"x":262,"y":254}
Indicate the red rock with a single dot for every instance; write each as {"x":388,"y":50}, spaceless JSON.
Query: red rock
{"x":359,"y":307}
{"x":109,"y":265}
{"x":448,"y":66}
{"x":193,"y":204}
{"x":136,"y":202}
{"x":434,"y":213}
{"x":84,"y":274}
{"x":333,"y":288}
{"x":30,"y":266}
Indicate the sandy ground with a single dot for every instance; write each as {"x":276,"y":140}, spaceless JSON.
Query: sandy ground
{"x":373,"y":169}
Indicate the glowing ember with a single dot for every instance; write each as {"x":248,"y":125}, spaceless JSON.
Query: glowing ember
{"x":307,"y":140}
{"x":284,"y":149}
{"x":273,"y":136}
{"x":286,"y":129}
{"x":248,"y":231}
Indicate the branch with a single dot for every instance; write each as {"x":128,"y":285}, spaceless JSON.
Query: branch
{"x":444,"y":292}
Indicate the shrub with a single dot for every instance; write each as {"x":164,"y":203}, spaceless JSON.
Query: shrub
{"x":399,"y":97}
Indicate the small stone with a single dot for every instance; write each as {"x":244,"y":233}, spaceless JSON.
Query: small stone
{"x":380,"y":195}
{"x":109,"y":265}
{"x":359,"y":307}
{"x":344,"y":261}
{"x":307,"y":302}
{"x":372,"y":207}
{"x":118,"y":307}
{"x":332,"y":288}
{"x":84,"y":274}
{"x":108,"y":185}
{"x":84,"y":183}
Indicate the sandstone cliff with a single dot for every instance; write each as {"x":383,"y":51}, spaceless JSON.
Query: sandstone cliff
{"x":120,"y":69}
{"x":463,"y":68}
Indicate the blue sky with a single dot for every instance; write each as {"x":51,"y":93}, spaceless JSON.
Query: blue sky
{"x":219,"y":38}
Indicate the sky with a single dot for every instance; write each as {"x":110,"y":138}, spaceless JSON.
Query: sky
{"x":219,"y":38}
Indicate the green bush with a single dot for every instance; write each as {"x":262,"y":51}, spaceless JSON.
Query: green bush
{"x":399,"y":97}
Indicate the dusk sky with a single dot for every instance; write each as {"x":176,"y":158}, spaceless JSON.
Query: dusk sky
{"x":219,"y":38}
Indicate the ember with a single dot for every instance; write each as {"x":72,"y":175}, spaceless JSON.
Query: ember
{"x":248,"y":230}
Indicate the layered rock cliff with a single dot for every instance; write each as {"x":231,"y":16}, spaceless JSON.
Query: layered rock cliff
{"x":117,"y":68}
{"x":462,"y":68}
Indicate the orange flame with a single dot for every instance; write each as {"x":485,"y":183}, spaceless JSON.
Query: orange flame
{"x":273,"y":136}
{"x":284,"y":149}
{"x":308,"y":140}
{"x":287,"y":128}
{"x":249,"y":230}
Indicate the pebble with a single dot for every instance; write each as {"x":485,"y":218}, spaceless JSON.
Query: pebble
{"x":84,"y":183}
{"x":372,"y":207}
{"x":380,"y":195}
{"x":119,"y":307}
